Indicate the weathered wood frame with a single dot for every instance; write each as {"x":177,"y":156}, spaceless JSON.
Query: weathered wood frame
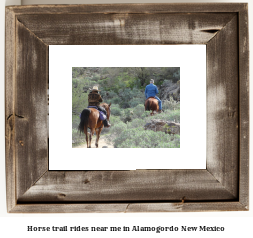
{"x":222,"y":186}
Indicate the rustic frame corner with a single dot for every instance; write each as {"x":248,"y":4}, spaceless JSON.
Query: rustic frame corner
{"x":223,"y":186}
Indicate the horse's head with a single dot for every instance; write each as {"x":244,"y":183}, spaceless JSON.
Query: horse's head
{"x":107,"y":107}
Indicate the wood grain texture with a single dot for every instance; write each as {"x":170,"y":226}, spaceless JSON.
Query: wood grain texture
{"x":222,"y":107}
{"x":133,"y":29}
{"x":30,"y":108}
{"x":129,"y":8}
{"x":223,"y":186}
{"x":9,"y":109}
{"x":244,"y":106}
{"x":139,"y":185}
{"x":129,"y":207}
{"x":186,"y":207}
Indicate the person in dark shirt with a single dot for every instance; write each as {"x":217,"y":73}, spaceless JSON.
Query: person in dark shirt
{"x":94,"y":100}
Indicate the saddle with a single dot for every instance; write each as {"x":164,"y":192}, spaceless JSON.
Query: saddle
{"x":102,"y":116}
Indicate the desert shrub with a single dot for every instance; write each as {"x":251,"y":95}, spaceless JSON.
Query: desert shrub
{"x":110,"y":97}
{"x":135,"y":101}
{"x":79,"y":97}
{"x":114,"y":120}
{"x":170,"y":104}
{"x":126,"y":115}
{"x":127,"y":130}
{"x":135,"y":123}
{"x":112,"y":100}
{"x":75,"y":121}
{"x":174,"y":116}
{"x":138,"y":111}
{"x":115,"y":110}
{"x":77,"y":138}
{"x":167,"y":115}
{"x":140,"y":138}
{"x":145,"y":115}
{"x":116,"y":130}
{"x":130,"y":97}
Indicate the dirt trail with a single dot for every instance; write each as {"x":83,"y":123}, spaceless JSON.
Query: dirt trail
{"x":101,"y":143}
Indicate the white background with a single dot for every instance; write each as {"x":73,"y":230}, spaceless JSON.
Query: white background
{"x":238,"y":224}
{"x":192,"y":151}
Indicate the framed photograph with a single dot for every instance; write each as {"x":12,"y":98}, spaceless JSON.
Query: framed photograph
{"x":57,"y":55}
{"x":134,"y":131}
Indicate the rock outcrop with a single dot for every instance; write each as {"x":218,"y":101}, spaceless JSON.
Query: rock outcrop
{"x":164,"y":126}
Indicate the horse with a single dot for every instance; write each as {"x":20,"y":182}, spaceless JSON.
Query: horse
{"x":90,"y":119}
{"x":151,"y":104}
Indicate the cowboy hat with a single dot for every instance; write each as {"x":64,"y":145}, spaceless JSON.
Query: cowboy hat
{"x":95,"y":88}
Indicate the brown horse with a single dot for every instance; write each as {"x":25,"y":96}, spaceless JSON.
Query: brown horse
{"x":90,"y":119}
{"x":151,"y":104}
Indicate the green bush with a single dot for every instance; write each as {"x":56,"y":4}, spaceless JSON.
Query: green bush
{"x":140,"y":138}
{"x":111,"y":100}
{"x":114,"y":120}
{"x":169,"y":115}
{"x":131,"y":97}
{"x":145,"y":115}
{"x":116,"y":130}
{"x":135,"y":123}
{"x":170,"y":104}
{"x":115,"y":110}
{"x":75,"y":121}
{"x":77,"y":138}
{"x":126,"y":115}
{"x":135,"y":101}
{"x":79,"y":97}
{"x":138,"y":111}
{"x":110,"y":96}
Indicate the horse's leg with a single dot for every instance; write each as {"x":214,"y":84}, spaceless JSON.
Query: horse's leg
{"x":98,"y":131}
{"x":92,"y":130}
{"x":87,"y":139}
{"x":97,"y":137}
{"x":86,"y":135}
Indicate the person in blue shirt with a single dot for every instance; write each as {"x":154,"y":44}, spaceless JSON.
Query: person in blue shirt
{"x":151,"y":91}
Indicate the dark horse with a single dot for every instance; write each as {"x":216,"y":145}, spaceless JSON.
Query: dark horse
{"x":151,"y":104}
{"x":90,"y":119}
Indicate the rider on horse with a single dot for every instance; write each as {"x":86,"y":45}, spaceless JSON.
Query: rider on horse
{"x":94,"y":99}
{"x":151,"y":91}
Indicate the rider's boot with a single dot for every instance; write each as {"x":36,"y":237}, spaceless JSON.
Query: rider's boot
{"x":106,"y":123}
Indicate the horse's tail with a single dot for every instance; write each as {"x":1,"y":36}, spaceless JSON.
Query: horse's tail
{"x":84,"y":119}
{"x":148,"y":106}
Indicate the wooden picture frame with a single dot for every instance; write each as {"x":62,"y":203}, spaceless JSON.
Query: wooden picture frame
{"x":222,"y":186}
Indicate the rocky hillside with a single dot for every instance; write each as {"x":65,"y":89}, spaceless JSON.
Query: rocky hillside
{"x":169,"y":89}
